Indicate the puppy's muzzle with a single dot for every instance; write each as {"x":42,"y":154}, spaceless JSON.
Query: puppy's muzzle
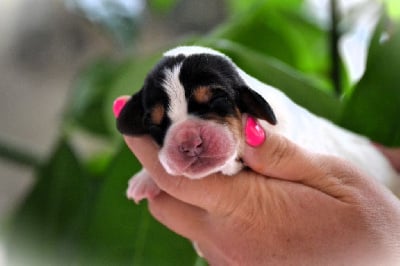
{"x":196,"y":148}
{"x":190,"y":143}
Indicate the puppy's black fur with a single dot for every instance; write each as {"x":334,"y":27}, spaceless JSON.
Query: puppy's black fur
{"x":229,"y":94}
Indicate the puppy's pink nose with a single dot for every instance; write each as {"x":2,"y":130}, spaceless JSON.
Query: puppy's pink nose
{"x":192,"y":147}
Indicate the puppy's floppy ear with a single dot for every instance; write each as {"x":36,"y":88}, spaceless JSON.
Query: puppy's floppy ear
{"x":130,"y":119}
{"x":255,"y":105}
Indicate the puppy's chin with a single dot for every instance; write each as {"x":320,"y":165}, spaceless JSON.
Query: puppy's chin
{"x":196,"y":148}
{"x":203,"y":168}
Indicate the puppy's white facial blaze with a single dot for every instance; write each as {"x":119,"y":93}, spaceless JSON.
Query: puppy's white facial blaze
{"x":177,"y":110}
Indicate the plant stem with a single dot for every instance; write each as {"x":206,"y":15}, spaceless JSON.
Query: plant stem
{"x":334,"y":48}
{"x":18,"y":156}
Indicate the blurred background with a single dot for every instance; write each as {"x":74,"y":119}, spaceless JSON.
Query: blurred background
{"x":63,"y":166}
{"x":45,"y":43}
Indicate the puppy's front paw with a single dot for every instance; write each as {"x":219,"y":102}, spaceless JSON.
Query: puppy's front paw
{"x":141,"y":186}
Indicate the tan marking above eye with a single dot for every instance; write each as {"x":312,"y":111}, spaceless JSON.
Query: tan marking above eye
{"x":202,"y":94}
{"x":157,"y":114}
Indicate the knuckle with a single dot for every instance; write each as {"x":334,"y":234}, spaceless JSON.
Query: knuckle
{"x":280,"y":152}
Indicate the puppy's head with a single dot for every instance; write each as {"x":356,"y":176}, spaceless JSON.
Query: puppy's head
{"x":191,"y":104}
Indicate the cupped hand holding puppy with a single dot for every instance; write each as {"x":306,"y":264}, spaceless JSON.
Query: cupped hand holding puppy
{"x":293,"y":208}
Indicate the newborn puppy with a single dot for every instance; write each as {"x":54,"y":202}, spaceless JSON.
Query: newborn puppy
{"x":192,"y":104}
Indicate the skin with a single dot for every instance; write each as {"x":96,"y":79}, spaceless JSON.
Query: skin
{"x":292,"y":208}
{"x":392,"y":154}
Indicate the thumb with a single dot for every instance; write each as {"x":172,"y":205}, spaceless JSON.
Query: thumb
{"x":278,"y":157}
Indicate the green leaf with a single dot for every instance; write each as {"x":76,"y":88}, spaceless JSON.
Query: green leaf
{"x":280,"y":29}
{"x":88,"y":97}
{"x":48,"y":225}
{"x":374,"y":106}
{"x":162,"y":6}
{"x":238,"y":7}
{"x":393,"y":9}
{"x":70,"y":218}
{"x":97,"y":163}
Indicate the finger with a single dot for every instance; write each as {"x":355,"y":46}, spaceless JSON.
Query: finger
{"x":186,"y":220}
{"x":212,"y":253}
{"x":278,"y":157}
{"x":205,"y":193}
{"x":119,"y":104}
{"x":182,"y":218}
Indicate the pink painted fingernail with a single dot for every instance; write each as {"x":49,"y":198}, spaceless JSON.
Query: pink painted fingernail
{"x":119,"y":103}
{"x":254,"y":133}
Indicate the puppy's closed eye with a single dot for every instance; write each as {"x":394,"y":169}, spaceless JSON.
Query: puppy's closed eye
{"x":221,"y":106}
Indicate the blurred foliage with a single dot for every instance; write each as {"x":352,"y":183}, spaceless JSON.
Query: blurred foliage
{"x":393,"y":8}
{"x":91,"y":88}
{"x":374,"y":107}
{"x":120,"y":18}
{"x":278,"y":29}
{"x":77,"y":212}
{"x":162,"y":6}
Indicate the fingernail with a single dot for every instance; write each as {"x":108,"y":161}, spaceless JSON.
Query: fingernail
{"x":119,"y":103}
{"x":254,"y":133}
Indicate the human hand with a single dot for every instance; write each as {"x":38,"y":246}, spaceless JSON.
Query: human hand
{"x":295,"y":207}
{"x":392,"y":154}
